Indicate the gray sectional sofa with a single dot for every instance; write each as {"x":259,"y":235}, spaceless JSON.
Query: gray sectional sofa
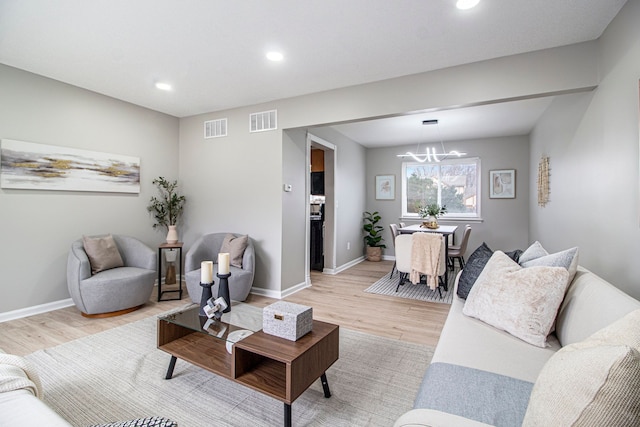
{"x":480,"y":375}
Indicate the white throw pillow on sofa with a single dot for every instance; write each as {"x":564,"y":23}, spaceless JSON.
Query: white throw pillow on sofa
{"x":592,"y":382}
{"x":518,"y":300}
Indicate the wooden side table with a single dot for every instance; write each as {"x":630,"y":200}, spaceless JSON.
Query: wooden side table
{"x":170,"y":246}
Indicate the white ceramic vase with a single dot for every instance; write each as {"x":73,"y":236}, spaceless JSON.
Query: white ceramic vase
{"x":172,"y":235}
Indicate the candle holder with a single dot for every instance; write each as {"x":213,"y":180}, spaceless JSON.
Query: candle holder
{"x":206,"y":295}
{"x":223,"y":290}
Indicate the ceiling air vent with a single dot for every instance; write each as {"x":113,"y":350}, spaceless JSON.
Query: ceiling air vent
{"x":266,"y":120}
{"x":215,"y":128}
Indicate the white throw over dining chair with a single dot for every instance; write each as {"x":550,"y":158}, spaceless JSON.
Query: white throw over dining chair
{"x":404,"y":250}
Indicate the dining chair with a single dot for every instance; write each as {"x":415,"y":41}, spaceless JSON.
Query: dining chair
{"x":403,"y":248}
{"x":394,"y":233}
{"x":402,"y":224}
{"x":458,"y":251}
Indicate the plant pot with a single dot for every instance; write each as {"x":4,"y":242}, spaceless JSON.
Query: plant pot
{"x":374,"y":253}
{"x":172,"y":235}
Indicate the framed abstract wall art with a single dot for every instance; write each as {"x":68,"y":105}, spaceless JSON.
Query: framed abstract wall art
{"x":385,"y":187}
{"x":502,"y":184}
{"x":31,"y":166}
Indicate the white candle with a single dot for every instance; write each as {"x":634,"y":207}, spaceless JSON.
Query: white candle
{"x":206,"y":272}
{"x":223,"y":263}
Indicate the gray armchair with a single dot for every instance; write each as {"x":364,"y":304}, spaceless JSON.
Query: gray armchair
{"x":114,"y":291}
{"x":206,"y":248}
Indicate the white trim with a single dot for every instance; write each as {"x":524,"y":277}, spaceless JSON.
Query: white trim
{"x":311,"y":138}
{"x":347,"y":265}
{"x":36,"y":309}
{"x":279,"y":294}
{"x":292,"y":290}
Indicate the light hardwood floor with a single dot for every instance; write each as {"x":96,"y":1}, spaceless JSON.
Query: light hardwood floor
{"x":337,"y":299}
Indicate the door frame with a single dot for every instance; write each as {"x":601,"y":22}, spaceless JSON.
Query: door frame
{"x":330,"y":223}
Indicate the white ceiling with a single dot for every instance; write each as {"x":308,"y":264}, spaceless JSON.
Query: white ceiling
{"x":486,"y":121}
{"x":213,"y":51}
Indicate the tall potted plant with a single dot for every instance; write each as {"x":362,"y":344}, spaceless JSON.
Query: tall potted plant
{"x":167,"y":208}
{"x":373,"y":236}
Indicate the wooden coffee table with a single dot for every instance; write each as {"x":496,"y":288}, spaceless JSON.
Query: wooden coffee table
{"x":273,"y":366}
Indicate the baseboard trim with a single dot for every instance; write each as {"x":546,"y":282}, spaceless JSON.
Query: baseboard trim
{"x":344,"y":266}
{"x":279,"y":294}
{"x":36,"y":309}
{"x":292,"y":290}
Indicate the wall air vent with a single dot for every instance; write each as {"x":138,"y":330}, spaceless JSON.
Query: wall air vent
{"x":266,"y":120}
{"x":215,"y":128}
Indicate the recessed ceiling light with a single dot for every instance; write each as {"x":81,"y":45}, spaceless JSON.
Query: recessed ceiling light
{"x":467,"y":4}
{"x":163,"y":86}
{"x":275,"y":56}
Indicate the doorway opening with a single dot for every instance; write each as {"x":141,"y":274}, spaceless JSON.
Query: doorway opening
{"x":321,"y":224}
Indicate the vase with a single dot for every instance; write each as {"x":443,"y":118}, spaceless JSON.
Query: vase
{"x":430,"y":222}
{"x":172,"y":235}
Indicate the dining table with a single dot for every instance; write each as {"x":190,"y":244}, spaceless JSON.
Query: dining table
{"x":445,"y":230}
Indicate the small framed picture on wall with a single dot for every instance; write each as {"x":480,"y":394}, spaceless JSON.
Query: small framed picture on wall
{"x":502,"y":184}
{"x":385,"y":187}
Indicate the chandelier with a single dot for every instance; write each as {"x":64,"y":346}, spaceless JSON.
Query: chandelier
{"x":431,"y":154}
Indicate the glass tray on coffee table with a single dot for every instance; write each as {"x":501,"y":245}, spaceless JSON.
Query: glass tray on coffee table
{"x":236,"y":348}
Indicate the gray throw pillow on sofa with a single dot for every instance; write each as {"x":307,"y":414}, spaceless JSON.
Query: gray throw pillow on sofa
{"x":536,"y":256}
{"x":474,"y":266}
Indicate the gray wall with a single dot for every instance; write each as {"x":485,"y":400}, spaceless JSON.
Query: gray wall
{"x":294,"y":204}
{"x":504,"y":223}
{"x":37,"y":227}
{"x":592,"y":142}
{"x":235,"y":183}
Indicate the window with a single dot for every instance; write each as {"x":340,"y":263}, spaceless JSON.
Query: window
{"x":452,"y":183}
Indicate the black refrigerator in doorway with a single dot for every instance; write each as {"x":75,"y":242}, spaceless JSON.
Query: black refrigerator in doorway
{"x":317,"y":244}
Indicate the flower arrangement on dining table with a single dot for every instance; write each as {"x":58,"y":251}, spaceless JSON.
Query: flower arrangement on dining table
{"x":431,"y":212}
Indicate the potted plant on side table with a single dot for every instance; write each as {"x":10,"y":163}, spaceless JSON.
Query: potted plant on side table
{"x":373,"y":237}
{"x":167,"y":208}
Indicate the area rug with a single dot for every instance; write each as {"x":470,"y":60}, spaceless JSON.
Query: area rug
{"x":422,"y":292}
{"x":119,"y":375}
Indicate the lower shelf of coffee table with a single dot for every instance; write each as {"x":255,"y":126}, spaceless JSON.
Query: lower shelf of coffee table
{"x":200,"y":350}
{"x":274,"y":366}
{"x":261,"y":373}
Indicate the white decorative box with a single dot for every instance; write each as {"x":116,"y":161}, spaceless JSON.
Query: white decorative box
{"x":287,"y":320}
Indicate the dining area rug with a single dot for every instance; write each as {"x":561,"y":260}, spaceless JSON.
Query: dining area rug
{"x":387,"y":286}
